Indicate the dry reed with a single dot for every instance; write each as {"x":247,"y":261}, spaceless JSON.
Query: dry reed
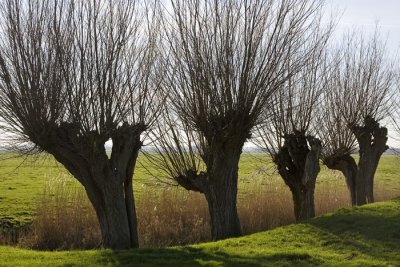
{"x":171,"y":216}
{"x":65,"y":219}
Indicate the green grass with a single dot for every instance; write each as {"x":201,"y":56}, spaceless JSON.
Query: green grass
{"x":22,"y":182}
{"x":364,"y":236}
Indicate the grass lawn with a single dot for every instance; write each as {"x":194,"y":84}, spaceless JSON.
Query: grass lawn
{"x":363,"y":236}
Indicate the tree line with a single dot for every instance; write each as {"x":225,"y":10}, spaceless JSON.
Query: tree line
{"x":197,"y":79}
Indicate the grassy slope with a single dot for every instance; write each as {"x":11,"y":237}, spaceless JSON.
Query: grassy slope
{"x":364,"y":236}
{"x":20,"y":185}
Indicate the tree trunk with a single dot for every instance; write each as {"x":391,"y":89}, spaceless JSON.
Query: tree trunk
{"x":347,"y":165}
{"x":109,"y":204}
{"x":129,"y":197}
{"x":131,"y":212}
{"x":113,"y":202}
{"x":224,"y":219}
{"x":298,"y":165}
{"x":303,"y":201}
{"x":221,"y":193}
{"x":368,"y":163}
{"x":218,"y":184}
{"x":107,"y":181}
{"x":372,"y":143}
{"x":364,"y":170}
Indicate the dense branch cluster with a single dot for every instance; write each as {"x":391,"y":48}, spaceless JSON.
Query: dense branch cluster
{"x":198,"y":79}
{"x":75,"y":74}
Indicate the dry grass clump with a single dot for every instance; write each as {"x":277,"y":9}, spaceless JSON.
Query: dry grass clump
{"x":172,"y":216}
{"x":265,"y":205}
{"x":10,"y":233}
{"x":65,"y":219}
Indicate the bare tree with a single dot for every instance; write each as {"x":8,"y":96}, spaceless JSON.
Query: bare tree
{"x":73,"y":75}
{"x":226,"y":59}
{"x":288,"y":134}
{"x":395,"y":114}
{"x":339,"y":141}
{"x":356,"y":98}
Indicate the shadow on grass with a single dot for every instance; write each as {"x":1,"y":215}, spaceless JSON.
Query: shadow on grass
{"x":189,"y":256}
{"x":372,"y":222}
{"x":371,"y":230}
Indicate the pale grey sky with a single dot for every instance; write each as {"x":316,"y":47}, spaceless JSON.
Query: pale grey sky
{"x":366,"y":11}
{"x":365,"y":14}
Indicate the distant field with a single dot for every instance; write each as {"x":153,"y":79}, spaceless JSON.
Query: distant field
{"x":364,"y":236}
{"x":22,"y":182}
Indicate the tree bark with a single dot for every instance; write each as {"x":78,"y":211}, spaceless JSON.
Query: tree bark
{"x":131,"y":212}
{"x":372,"y":139}
{"x":219,"y":186}
{"x":221,"y":194}
{"x":129,"y":196}
{"x":364,"y":170}
{"x":107,"y":181}
{"x":298,"y":165}
{"x":303,"y":201}
{"x":347,"y":165}
{"x":109,"y":203}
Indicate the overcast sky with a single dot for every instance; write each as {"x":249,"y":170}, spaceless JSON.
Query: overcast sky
{"x":365,"y":14}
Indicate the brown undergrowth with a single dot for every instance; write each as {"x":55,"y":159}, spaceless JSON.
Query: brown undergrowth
{"x":169,"y":215}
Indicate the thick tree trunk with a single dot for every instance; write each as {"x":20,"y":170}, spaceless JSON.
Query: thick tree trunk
{"x":114,"y":204}
{"x":303,"y":201}
{"x":364,"y":170}
{"x":372,"y":143}
{"x":109,"y":203}
{"x":298,"y":165}
{"x":129,"y":197}
{"x":347,"y":165}
{"x":221,"y":193}
{"x":368,"y":163}
{"x":107,"y":181}
{"x":219,"y":183}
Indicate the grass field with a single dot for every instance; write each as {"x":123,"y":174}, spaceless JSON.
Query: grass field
{"x":23,"y":181}
{"x":364,"y":236}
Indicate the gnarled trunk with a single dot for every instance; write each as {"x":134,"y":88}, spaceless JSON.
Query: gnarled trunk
{"x":108,"y":182}
{"x":372,"y":143}
{"x":299,"y":166}
{"x":347,"y":165}
{"x":114,"y":204}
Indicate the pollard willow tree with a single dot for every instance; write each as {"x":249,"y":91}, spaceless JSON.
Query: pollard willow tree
{"x":395,"y":114}
{"x":357,"y":98}
{"x":339,"y":142}
{"x":288,"y":133}
{"x":226,"y":59}
{"x":73,"y":75}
